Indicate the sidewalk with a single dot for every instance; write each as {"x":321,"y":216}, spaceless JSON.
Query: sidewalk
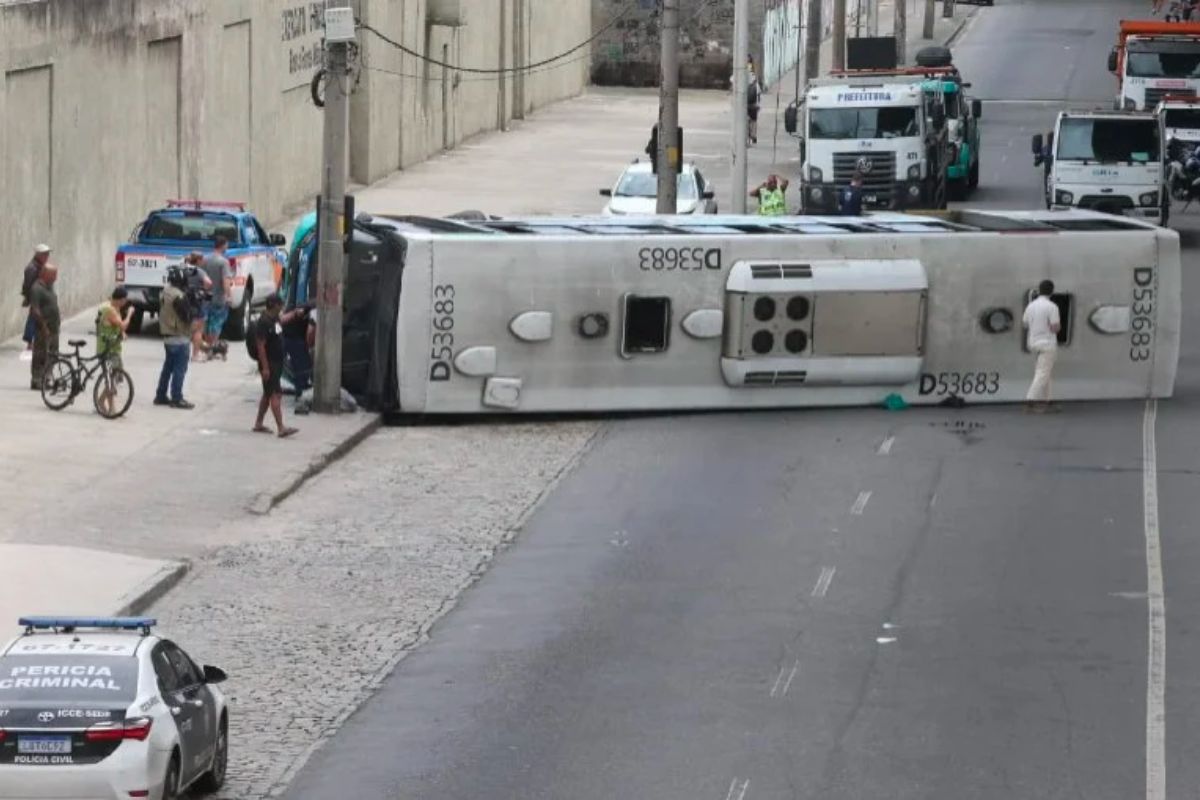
{"x":158,"y":484}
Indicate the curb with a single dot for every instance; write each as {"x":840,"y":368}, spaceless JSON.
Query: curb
{"x":144,"y":596}
{"x":264,"y":502}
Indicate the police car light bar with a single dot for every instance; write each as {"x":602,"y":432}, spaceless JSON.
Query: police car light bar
{"x":201,"y":204}
{"x":68,"y":624}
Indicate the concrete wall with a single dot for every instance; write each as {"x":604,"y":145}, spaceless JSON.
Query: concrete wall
{"x":109,"y":107}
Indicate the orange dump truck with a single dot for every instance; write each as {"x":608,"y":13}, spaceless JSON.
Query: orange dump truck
{"x":1154,"y":59}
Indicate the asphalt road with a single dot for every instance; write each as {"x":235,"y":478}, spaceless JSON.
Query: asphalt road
{"x":842,"y":604}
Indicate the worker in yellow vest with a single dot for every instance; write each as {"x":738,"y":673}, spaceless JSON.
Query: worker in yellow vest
{"x":770,"y":196}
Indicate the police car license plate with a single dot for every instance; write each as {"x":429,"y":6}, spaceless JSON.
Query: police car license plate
{"x":42,"y":745}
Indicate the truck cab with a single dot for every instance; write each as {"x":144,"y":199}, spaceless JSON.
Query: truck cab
{"x":884,"y":125}
{"x":1109,"y":161}
{"x":1154,"y":59}
{"x":1181,"y":120}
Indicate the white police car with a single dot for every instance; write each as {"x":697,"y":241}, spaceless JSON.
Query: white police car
{"x":102,"y":708}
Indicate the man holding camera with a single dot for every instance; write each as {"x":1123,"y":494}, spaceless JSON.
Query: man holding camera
{"x":175,"y":324}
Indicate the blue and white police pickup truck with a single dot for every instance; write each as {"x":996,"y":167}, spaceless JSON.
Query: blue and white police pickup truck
{"x":168,"y":234}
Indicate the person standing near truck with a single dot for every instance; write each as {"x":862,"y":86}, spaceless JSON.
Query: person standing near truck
{"x":219,"y":272}
{"x":1042,"y":322}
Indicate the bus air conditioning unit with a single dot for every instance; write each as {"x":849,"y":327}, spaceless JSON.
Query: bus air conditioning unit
{"x":824,"y":323}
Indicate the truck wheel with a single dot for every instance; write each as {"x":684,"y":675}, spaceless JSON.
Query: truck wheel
{"x":135,"y":322}
{"x":957,"y":189}
{"x":239,"y":318}
{"x":973,"y":180}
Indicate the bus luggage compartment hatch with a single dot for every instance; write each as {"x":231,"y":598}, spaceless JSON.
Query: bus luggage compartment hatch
{"x":824,"y":323}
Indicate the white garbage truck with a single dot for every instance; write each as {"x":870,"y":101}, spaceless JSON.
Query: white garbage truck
{"x":1110,"y":161}
{"x":885,"y":125}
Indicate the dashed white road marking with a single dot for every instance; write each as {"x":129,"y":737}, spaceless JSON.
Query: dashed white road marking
{"x":860,"y":503}
{"x":823,"y":582}
{"x":885,"y":639}
{"x":933,"y":500}
{"x":738,"y":791}
{"x":886,"y":447}
{"x":781,"y":685}
{"x":1156,"y":669}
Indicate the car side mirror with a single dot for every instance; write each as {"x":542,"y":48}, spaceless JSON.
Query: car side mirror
{"x":277,"y":239}
{"x":214,"y":675}
{"x":709,"y":194}
{"x":1038,"y":144}
{"x":1112,"y":60}
{"x":977,"y":109}
{"x":606,"y":192}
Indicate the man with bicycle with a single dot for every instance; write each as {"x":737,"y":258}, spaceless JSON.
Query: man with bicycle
{"x":43,"y":307}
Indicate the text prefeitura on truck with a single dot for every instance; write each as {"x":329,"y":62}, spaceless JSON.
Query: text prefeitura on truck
{"x":168,"y":234}
{"x":882,"y":124}
{"x":1108,"y":161}
{"x":1154,"y":59}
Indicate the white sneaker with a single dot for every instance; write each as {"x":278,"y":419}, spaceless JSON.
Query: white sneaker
{"x":26,"y":355}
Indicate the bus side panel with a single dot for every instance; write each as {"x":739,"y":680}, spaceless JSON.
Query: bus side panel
{"x":412,"y":330}
{"x":1168,"y":301}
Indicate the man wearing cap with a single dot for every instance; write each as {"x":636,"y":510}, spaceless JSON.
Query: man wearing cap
{"x":268,"y":345}
{"x":41,"y":255}
{"x":43,"y":308}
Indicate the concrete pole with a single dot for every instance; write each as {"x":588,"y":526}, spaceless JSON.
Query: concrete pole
{"x":812,"y":48}
{"x":502,"y":83}
{"x":839,"y":34}
{"x":741,"y":121}
{"x":331,"y":269}
{"x":668,"y":108}
{"x":930,"y":11}
{"x":518,"y":111}
{"x":948,"y":8}
{"x":900,"y":27}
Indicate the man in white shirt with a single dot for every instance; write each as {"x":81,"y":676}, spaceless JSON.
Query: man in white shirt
{"x":1042,"y":323}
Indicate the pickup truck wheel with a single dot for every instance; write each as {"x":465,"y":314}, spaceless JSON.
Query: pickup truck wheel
{"x":135,"y":322}
{"x":239,"y":319}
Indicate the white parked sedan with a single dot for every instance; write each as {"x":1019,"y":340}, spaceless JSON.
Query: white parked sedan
{"x":637,"y":191}
{"x":101,"y":708}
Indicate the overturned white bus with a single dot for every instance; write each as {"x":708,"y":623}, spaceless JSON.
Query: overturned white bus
{"x":448,"y":316}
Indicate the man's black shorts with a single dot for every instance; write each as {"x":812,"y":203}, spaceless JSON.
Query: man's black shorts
{"x":270,"y":383}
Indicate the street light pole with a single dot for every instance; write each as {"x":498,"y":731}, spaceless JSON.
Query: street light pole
{"x":741,"y":132}
{"x":331,"y":269}
{"x":668,"y":109}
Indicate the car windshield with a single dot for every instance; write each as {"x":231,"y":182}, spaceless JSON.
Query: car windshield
{"x":645,"y":184}
{"x":1183,"y":118}
{"x":1108,"y":140}
{"x":1164,"y":65}
{"x":201,"y":227}
{"x":58,"y":679}
{"x":863,"y":123}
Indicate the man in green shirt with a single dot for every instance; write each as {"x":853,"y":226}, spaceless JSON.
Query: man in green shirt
{"x":43,"y":307}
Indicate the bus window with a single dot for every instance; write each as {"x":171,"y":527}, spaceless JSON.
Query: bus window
{"x":647,"y":325}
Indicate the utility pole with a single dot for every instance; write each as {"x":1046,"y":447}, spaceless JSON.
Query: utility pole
{"x":812,"y":48}
{"x":668,"y":109}
{"x":839,"y":34}
{"x":741,"y":120}
{"x":900,"y":28}
{"x":331,"y":267}
{"x":519,"y":61}
{"x":930,"y":10}
{"x":947,"y":8}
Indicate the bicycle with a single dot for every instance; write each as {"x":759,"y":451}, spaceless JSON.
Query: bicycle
{"x":66,"y":377}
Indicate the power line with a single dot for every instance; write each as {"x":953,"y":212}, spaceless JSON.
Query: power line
{"x":505,"y":70}
{"x":486,"y":79}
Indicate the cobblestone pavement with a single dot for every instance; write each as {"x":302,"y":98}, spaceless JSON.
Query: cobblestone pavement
{"x":348,"y":576}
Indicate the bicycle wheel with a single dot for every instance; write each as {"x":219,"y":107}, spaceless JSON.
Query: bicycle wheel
{"x":113,"y":393}
{"x":58,"y":384}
